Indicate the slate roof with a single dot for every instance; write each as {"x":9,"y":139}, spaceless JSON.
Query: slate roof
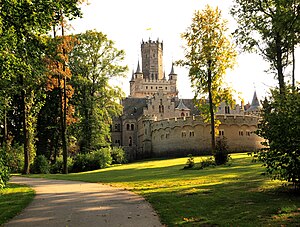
{"x":133,"y":107}
{"x":255,"y":105}
{"x":189,"y":103}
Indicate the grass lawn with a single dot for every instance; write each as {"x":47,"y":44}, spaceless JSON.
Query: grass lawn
{"x":235,"y":195}
{"x":13,"y":199}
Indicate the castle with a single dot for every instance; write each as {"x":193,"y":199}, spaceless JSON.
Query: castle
{"x":156,"y":123}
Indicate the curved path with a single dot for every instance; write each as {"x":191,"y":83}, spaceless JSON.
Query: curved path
{"x":73,"y":203}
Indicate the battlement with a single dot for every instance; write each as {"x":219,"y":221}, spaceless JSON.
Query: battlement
{"x":152,"y":43}
{"x":198,"y":120}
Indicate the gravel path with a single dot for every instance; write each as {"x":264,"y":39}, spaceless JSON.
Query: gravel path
{"x":73,"y":203}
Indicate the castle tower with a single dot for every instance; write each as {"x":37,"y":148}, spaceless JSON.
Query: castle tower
{"x":152,"y":60}
{"x":151,"y":79}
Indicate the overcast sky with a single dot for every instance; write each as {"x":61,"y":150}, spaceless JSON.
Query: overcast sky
{"x":126,"y":23}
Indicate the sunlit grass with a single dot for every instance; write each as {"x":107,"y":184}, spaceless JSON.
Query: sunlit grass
{"x":13,"y":199}
{"x":234,"y":195}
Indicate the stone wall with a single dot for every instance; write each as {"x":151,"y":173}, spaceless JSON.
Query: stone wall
{"x":182,"y":136}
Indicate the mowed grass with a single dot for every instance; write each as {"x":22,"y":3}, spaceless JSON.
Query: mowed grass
{"x":235,"y":195}
{"x":13,"y":199}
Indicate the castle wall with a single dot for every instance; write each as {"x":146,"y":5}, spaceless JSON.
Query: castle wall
{"x":182,"y":136}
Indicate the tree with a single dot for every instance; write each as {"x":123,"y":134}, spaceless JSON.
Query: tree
{"x":270,"y":28}
{"x":23,"y":25}
{"x":208,"y":54}
{"x":94,"y":62}
{"x":280,"y":127}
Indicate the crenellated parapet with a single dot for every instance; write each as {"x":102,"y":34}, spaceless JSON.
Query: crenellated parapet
{"x":193,"y":121}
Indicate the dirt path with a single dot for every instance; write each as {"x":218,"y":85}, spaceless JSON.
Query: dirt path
{"x":73,"y":203}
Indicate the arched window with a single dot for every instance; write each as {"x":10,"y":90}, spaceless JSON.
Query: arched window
{"x":128,"y":127}
{"x":132,"y":127}
{"x":182,"y":114}
{"x":227,"y":110}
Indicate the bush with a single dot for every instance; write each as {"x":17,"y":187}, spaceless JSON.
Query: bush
{"x":190,"y":163}
{"x":90,"y":161}
{"x":280,"y":127}
{"x":4,"y":170}
{"x":207,"y":162}
{"x":40,"y":165}
{"x":221,"y":154}
{"x":15,"y":158}
{"x":58,"y":166}
{"x":118,"y":155}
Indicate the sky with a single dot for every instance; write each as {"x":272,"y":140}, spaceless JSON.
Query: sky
{"x":127,"y":23}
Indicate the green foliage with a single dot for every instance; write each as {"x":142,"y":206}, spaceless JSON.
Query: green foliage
{"x":58,"y":166}
{"x":206,"y":162}
{"x":94,"y":160}
{"x":190,"y":163}
{"x":94,"y":61}
{"x":4,"y":170}
{"x":15,"y":158}
{"x":221,"y":153}
{"x":118,"y":155}
{"x":280,"y":127}
{"x":270,"y":28}
{"x":208,"y":53}
{"x":40,"y":165}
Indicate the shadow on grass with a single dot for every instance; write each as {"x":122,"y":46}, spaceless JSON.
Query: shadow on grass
{"x":14,"y":198}
{"x":236,"y":195}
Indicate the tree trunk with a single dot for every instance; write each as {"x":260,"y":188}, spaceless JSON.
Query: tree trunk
{"x":279,"y":64}
{"x":25,"y":131}
{"x":64,"y":110}
{"x":294,"y":62}
{"x":211,"y":110}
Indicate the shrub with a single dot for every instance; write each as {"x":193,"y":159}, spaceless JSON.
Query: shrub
{"x":280,"y":127}
{"x":221,"y":154}
{"x":40,"y":165}
{"x":57,"y":167}
{"x":90,"y":161}
{"x":190,"y":163}
{"x":15,"y":158}
{"x":4,"y":170}
{"x":206,"y":163}
{"x":118,"y":155}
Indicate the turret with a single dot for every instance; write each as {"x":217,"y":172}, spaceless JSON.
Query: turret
{"x":172,"y":75}
{"x":138,"y":74}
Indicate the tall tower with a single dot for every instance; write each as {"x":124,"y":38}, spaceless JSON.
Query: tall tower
{"x":152,"y":60}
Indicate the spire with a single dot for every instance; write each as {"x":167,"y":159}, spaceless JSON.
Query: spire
{"x":255,"y":106}
{"x":138,"y":70}
{"x":181,"y":106}
{"x":164,"y":78}
{"x":172,"y":69}
{"x":132,"y":77}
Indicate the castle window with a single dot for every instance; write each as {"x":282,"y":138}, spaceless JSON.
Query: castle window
{"x":248,"y":133}
{"x":152,"y":76}
{"x":118,"y":142}
{"x":117,"y":127}
{"x":192,"y":133}
{"x":128,"y":127}
{"x":132,"y":127}
{"x":182,"y":114}
{"x":227,"y":110}
{"x":166,"y":88}
{"x":241,"y":133}
{"x":146,"y":87}
{"x":221,"y":132}
{"x":156,"y":88}
{"x":167,"y":136}
{"x":151,"y":87}
{"x":183,"y":134}
{"x":187,"y":114}
{"x":161,"y":109}
{"x":130,"y":141}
